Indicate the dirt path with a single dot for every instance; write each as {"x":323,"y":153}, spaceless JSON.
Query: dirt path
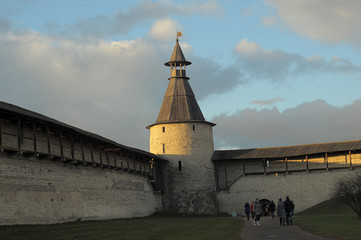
{"x":271,"y":229}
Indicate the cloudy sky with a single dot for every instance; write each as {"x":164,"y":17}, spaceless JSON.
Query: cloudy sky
{"x":268,"y":73}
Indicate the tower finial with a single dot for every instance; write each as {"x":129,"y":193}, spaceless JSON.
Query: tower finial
{"x":179,"y":34}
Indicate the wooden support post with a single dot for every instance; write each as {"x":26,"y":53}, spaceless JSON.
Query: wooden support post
{"x":72,"y":151}
{"x":121,"y":159}
{"x":19,"y":134}
{"x":34,"y":136}
{"x":48,"y":139}
{"x":1,"y":142}
{"x":134,"y":167}
{"x":82,"y":150}
{"x":244,"y":166}
{"x":225,"y":173}
{"x":139,"y":164}
{"x":326,"y":160}
{"x":91,"y":152}
{"x":217,"y":175}
{"x":107,"y":157}
{"x":100,"y":155}
{"x":307,"y":163}
{"x":264,"y":166}
{"x":145,"y":165}
{"x":115,"y":159}
{"x":349,"y":153}
{"x":286,"y":165}
{"x":61,"y":143}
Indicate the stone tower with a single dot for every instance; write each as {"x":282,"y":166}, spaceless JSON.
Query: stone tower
{"x":182,"y":136}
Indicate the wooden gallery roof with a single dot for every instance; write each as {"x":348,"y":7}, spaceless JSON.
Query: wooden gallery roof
{"x":289,"y":151}
{"x":18,"y":112}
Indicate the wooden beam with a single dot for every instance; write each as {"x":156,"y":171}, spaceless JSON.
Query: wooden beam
{"x":244,"y":166}
{"x":19,"y":133}
{"x":264,"y":166}
{"x":72,"y":150}
{"x":107,"y":157}
{"x":286,"y":165}
{"x":326,"y":160}
{"x":121,"y":159}
{"x":1,"y":142}
{"x":145,"y":164}
{"x":100,"y":155}
{"x":307,"y":163}
{"x":135,"y":169}
{"x":61,"y":143}
{"x":34,"y":136}
{"x":91,"y":152}
{"x":82,"y":150}
{"x":217,"y":175}
{"x":115,"y":159}
{"x":349,"y":153}
{"x":48,"y":139}
{"x":225,"y":173}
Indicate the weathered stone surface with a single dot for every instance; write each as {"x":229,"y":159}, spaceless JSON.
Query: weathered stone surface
{"x":43,"y":191}
{"x":191,"y":189}
{"x":306,"y":189}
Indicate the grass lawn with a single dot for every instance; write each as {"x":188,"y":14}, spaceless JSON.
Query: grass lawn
{"x":155,"y":227}
{"x":331,"y":219}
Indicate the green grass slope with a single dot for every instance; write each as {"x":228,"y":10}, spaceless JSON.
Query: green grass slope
{"x":332,"y":219}
{"x":149,"y":228}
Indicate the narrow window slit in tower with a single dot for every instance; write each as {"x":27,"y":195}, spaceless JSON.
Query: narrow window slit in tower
{"x":163,"y":148}
{"x":180,"y":166}
{"x":163,"y":129}
{"x":194,"y":127}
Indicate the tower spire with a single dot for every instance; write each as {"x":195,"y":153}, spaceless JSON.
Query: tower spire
{"x":179,"y":103}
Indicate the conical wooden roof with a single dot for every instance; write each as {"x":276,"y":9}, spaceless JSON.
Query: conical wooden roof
{"x":177,"y":56}
{"x":179,"y":103}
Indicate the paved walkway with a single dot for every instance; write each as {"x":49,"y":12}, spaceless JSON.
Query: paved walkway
{"x":271,"y":229}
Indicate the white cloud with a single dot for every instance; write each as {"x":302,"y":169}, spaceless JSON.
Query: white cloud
{"x":257,"y":62}
{"x":313,"y":122}
{"x":103,"y":26}
{"x":331,"y":21}
{"x":165,"y":30}
{"x":267,"y":102}
{"x":114,"y":89}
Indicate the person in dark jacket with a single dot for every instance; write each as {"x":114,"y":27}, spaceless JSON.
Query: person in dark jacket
{"x":272,"y":209}
{"x":247,"y":209}
{"x":289,"y":209}
{"x":257,"y":211}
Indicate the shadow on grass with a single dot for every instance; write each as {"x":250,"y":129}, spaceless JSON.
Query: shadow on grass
{"x":154,"y":227}
{"x":332,"y":219}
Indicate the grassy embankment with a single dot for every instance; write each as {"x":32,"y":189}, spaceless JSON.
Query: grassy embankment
{"x":332,"y":219}
{"x":154,"y":227}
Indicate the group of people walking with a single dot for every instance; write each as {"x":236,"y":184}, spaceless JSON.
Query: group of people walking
{"x":285,"y":211}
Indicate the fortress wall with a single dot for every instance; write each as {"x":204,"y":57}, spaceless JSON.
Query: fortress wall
{"x":235,"y":168}
{"x":306,"y":189}
{"x":35,"y":191}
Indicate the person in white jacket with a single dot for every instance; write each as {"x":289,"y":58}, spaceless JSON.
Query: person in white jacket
{"x":281,"y":211}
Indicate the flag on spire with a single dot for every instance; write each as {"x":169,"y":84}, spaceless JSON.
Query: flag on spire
{"x":179,"y":34}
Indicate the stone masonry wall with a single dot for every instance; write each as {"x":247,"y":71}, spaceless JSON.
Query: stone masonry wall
{"x":306,"y":189}
{"x":189,"y":176}
{"x":44,"y":191}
